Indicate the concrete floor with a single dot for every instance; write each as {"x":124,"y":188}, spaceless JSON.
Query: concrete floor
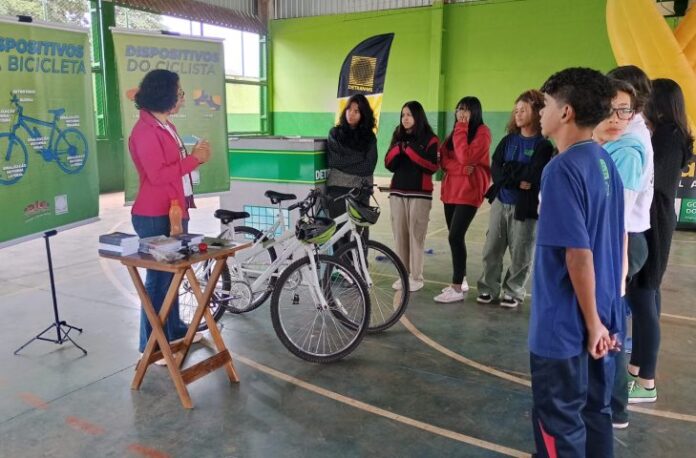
{"x":450,"y":380}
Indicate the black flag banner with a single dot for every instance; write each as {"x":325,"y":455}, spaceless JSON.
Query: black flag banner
{"x":364,"y":71}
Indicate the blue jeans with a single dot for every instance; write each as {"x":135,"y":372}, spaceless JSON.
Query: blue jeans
{"x":157,"y":283}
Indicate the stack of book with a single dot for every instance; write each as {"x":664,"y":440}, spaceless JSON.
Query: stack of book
{"x":159,"y":243}
{"x":118,"y":244}
{"x":189,"y":239}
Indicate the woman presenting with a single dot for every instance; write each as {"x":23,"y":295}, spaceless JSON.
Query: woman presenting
{"x":164,"y":169}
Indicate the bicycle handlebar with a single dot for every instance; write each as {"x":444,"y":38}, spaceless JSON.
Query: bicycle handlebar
{"x":356,"y":192}
{"x":306,"y":204}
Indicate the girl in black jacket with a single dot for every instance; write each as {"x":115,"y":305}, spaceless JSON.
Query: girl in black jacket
{"x":351,"y":154}
{"x":673,"y":145}
{"x":412,"y":156}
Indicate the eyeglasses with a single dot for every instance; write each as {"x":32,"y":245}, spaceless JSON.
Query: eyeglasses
{"x":625,"y":114}
{"x":180,"y":94}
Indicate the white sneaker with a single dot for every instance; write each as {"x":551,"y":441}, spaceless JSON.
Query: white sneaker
{"x":465,"y":286}
{"x":451,"y":295}
{"x":446,"y":288}
{"x":396,"y":285}
{"x":415,"y":285}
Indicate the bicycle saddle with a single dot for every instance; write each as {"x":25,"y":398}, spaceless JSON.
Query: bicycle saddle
{"x":277,"y":197}
{"x":57,"y":111}
{"x":226,"y":215}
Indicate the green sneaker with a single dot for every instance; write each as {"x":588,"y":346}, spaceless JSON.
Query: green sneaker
{"x":632,"y":379}
{"x":638,"y":394}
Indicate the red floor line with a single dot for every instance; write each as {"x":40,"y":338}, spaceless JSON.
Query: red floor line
{"x":84,"y":426}
{"x":147,"y":452}
{"x":33,"y":400}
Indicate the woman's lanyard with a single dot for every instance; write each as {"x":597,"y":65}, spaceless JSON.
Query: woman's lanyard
{"x":187,"y":180}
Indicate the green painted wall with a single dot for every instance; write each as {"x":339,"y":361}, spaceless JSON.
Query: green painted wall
{"x":491,"y":50}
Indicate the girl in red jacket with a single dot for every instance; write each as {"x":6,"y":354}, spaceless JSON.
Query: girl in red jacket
{"x":465,"y":160}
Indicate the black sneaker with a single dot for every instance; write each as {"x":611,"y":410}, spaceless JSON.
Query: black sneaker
{"x":484,"y":299}
{"x":618,"y":424}
{"x":509,"y":302}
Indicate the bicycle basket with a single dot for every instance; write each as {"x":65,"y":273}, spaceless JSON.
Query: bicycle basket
{"x":315,"y":230}
{"x":361,"y":214}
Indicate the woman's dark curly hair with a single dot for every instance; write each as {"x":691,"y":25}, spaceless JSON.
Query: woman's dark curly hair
{"x":367,"y":116}
{"x":158,"y":91}
{"x":586,"y":90}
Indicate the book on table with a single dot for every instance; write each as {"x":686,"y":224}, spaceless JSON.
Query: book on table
{"x":116,"y":250}
{"x":189,"y":239}
{"x":118,"y":243}
{"x":160,"y":243}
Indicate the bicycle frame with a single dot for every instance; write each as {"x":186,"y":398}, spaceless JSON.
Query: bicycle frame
{"x":346,"y":225}
{"x":23,"y":120}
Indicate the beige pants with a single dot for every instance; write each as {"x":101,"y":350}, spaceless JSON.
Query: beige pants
{"x":409,"y":219}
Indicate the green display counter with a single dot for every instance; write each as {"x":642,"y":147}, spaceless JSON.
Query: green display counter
{"x":284,"y":164}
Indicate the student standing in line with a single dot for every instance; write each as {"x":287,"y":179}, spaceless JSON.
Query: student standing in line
{"x":412,"y":157}
{"x":518,"y":161}
{"x":673,"y":145}
{"x":164,"y":170}
{"x":628,"y":154}
{"x":465,"y":161}
{"x":638,"y":222}
{"x":577,"y":273}
{"x":351,"y":154}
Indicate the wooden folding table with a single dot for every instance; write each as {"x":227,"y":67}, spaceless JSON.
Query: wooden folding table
{"x":174,"y":353}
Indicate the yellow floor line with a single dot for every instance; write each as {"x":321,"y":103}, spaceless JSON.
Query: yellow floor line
{"x":678,"y":317}
{"x":382,"y":412}
{"x":431,"y":343}
{"x":504,"y":375}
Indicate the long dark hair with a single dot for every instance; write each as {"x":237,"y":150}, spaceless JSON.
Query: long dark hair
{"x":666,"y":106}
{"x":367,"y":116}
{"x":535,"y":99}
{"x":473,"y":105}
{"x":421,"y":128}
{"x":363,"y":134}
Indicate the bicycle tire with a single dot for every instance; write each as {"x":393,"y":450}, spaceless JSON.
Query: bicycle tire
{"x":385,"y":312}
{"x":64,"y":162}
{"x":10,"y":152}
{"x":258,"y":297}
{"x":347,"y":338}
{"x":188,"y":302}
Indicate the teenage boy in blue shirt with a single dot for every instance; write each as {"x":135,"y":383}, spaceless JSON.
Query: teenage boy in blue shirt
{"x":577,"y":273}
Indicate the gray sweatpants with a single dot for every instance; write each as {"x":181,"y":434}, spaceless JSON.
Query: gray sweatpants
{"x":504,"y":232}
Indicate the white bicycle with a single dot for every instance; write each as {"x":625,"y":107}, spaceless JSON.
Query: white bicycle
{"x":320,"y":307}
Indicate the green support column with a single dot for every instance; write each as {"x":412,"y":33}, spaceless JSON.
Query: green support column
{"x":110,"y":150}
{"x":437,"y":78}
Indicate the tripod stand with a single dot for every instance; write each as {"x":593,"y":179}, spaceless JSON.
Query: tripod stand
{"x":62,"y":328}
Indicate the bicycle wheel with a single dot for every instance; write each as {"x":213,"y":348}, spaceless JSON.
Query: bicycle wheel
{"x":309,"y":327}
{"x":13,"y":158}
{"x":71,"y":150}
{"x":384,"y":266}
{"x":253,"y":262}
{"x":221,"y":294}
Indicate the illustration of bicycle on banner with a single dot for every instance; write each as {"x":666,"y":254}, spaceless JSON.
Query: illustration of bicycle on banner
{"x":67,"y":147}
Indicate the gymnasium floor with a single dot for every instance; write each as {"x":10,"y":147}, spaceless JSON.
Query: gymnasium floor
{"x":449,"y":380}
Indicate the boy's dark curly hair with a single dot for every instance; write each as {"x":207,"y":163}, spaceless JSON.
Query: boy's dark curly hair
{"x":588,"y":91}
{"x":158,"y":91}
{"x":636,"y":78}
